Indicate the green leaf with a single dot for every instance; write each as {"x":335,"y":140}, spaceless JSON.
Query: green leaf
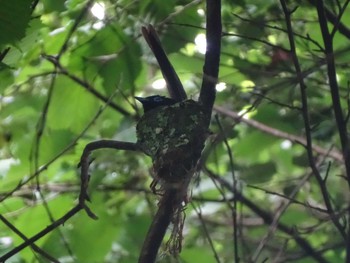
{"x":296,"y":215}
{"x":258,"y":173}
{"x":186,"y":64}
{"x":53,"y":142}
{"x":93,"y":235}
{"x":198,"y":255}
{"x":184,"y":34}
{"x":253,"y":146}
{"x":111,"y":54}
{"x":14,"y":19}
{"x":156,"y":8}
{"x":36,"y":219}
{"x":54,"y":6}
{"x":71,"y":107}
{"x":7,"y":78}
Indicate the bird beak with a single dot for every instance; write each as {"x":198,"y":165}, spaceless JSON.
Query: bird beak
{"x":140,"y":99}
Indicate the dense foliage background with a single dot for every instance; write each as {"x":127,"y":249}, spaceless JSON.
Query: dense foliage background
{"x":68,"y":76}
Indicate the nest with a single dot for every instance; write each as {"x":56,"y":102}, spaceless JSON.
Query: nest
{"x":173,"y":136}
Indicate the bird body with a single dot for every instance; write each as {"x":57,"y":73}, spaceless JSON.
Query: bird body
{"x":152,"y":102}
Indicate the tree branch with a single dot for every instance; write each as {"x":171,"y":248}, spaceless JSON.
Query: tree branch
{"x":86,"y":85}
{"x":42,"y":233}
{"x":33,"y":246}
{"x":161,"y":220}
{"x":268,"y":219}
{"x":84,"y":164}
{"x":343,"y":29}
{"x":334,"y":153}
{"x":171,"y":201}
{"x":212,"y":55}
{"x":307,"y":126}
{"x":333,"y":84}
{"x":337,"y":108}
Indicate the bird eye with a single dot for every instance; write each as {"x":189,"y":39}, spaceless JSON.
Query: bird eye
{"x":158,"y":99}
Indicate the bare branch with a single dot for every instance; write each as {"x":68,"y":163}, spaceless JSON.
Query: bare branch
{"x":333,"y":153}
{"x":333,"y":84}
{"x":85,"y":85}
{"x":33,"y":246}
{"x":212,"y":55}
{"x":42,"y":233}
{"x":337,"y":108}
{"x":341,"y":27}
{"x":84,"y":163}
{"x":160,"y":223}
{"x":307,"y":126}
{"x":268,"y":219}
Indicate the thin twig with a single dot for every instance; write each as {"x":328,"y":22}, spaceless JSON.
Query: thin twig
{"x":207,"y":233}
{"x":337,"y":108}
{"x":277,"y":215}
{"x":33,"y":246}
{"x":66,"y":149}
{"x":268,"y":218}
{"x":35,"y":154}
{"x":234,"y":179}
{"x":333,"y":83}
{"x":74,"y":27}
{"x":338,"y":20}
{"x":86,"y":86}
{"x":333,"y":153}
{"x":332,"y":18}
{"x":42,"y":233}
{"x":84,"y":163}
{"x":308,"y":38}
{"x":307,"y":126}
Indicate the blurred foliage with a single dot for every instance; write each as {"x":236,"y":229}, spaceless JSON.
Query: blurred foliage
{"x":49,"y":111}
{"x":14,"y":19}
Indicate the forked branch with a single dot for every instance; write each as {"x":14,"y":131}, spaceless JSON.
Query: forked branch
{"x":173,"y":196}
{"x":84,"y":164}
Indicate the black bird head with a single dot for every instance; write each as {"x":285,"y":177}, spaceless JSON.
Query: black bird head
{"x":152,"y":102}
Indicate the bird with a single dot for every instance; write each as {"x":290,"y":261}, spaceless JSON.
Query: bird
{"x":152,"y":102}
